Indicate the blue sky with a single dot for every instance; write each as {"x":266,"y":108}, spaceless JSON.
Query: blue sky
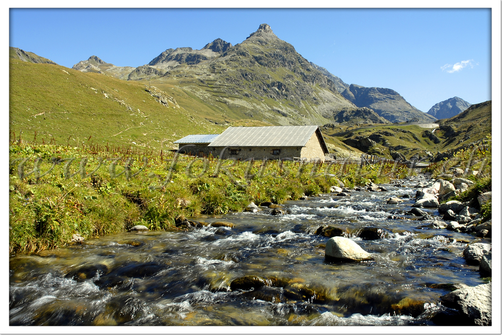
{"x":426,"y":55}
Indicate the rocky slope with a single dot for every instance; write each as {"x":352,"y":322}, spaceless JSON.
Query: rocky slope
{"x":30,"y":57}
{"x":359,"y":116}
{"x":448,"y":108}
{"x":339,"y":83}
{"x":387,"y":103}
{"x":97,"y":65}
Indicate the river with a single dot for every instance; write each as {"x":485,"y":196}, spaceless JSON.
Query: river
{"x":266,"y":270}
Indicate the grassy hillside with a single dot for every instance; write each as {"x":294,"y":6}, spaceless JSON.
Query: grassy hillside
{"x":406,"y":139}
{"x":471,"y":125}
{"x":54,"y":104}
{"x":61,"y":105}
{"x":468,"y":127}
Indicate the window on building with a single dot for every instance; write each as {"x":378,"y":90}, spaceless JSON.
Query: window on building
{"x":276,"y":151}
{"x":233,"y":152}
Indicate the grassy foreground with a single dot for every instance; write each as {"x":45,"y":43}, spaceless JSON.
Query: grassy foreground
{"x":58,"y":191}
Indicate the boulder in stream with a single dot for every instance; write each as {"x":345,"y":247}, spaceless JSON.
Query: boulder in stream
{"x":372,"y":233}
{"x":454,"y":205}
{"x":473,"y":303}
{"x":394,"y":200}
{"x":139,"y":228}
{"x":252,"y":207}
{"x":247,"y":283}
{"x":344,"y":249}
{"x":485,"y":265}
{"x":427,"y":202}
{"x":330,"y":231}
{"x":474,"y":252}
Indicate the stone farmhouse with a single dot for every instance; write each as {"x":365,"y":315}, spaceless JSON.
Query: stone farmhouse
{"x":281,"y":142}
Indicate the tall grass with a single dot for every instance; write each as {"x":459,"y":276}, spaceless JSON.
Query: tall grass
{"x":95,"y":190}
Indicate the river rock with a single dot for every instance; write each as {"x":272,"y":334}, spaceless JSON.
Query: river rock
{"x":87,"y":272}
{"x":461,"y":188}
{"x":474,"y":252}
{"x":277,"y":211}
{"x":455,"y":226}
{"x":372,"y":233}
{"x":484,"y":229}
{"x":335,"y":189}
{"x":458,"y":181}
{"x":375,"y":188}
{"x":427,"y":202}
{"x":252,"y":207}
{"x":474,"y":303}
{"x":222,"y":224}
{"x":139,"y":228}
{"x":450,"y":215}
{"x":344,"y":249}
{"x":485,"y":265}
{"x":76,"y":238}
{"x":266,"y":293}
{"x":247,"y":283}
{"x":394,"y":200}
{"x":468,"y":211}
{"x":445,"y":187}
{"x":330,"y":231}
{"x":463,"y":219}
{"x":417,"y":212}
{"x":425,"y":193}
{"x":454,"y":205}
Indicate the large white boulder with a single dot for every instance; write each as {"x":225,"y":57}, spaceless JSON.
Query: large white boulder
{"x":344,"y":249}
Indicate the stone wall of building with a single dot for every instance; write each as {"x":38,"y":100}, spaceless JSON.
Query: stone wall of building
{"x":313,"y":149}
{"x":259,"y":153}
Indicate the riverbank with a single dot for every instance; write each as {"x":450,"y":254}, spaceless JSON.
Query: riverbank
{"x":61,"y":195}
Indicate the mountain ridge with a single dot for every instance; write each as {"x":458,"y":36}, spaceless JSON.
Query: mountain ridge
{"x":387,"y":103}
{"x":220,"y":63}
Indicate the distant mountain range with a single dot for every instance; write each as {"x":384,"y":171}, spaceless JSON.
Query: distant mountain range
{"x":265,"y":75}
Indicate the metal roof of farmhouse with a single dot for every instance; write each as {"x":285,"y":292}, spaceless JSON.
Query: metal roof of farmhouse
{"x":197,"y":139}
{"x":280,"y":136}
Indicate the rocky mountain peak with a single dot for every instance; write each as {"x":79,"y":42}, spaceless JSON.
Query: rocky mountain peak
{"x":265,"y":28}
{"x":218,"y":45}
{"x":448,"y":108}
{"x":96,"y":60}
{"x":264,"y":31}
